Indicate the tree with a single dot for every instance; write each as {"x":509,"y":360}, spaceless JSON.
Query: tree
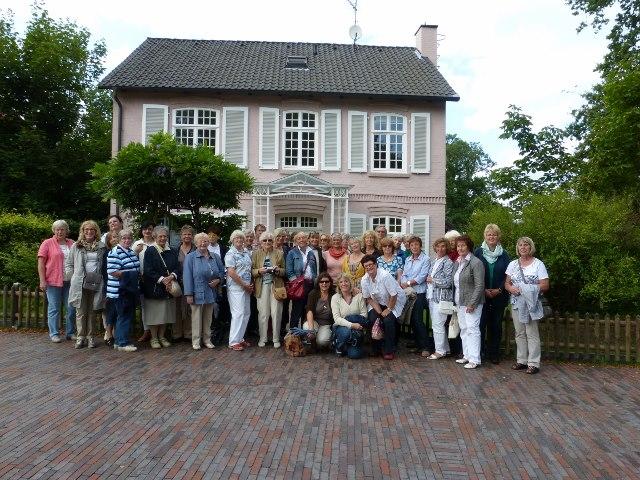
{"x":54,"y":124}
{"x":467,"y":165}
{"x":164,"y":175}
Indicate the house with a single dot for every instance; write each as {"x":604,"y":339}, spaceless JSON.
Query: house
{"x":340,"y":138}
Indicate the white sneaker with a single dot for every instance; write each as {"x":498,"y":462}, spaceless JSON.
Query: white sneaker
{"x":262,"y":344}
{"x":471,"y":365}
{"x":209,"y":345}
{"x":196,"y":346}
{"x":79,"y":342}
{"x":276,"y":344}
{"x":91,"y":342}
{"x":462,"y":361}
{"x":126,"y":348}
{"x":56,"y":339}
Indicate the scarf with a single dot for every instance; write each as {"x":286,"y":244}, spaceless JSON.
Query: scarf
{"x":89,"y":247}
{"x":490,"y":256}
{"x":337,"y":253}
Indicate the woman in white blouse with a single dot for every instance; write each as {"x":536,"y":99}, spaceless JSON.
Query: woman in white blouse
{"x":349,"y":315}
{"x":440,"y":288}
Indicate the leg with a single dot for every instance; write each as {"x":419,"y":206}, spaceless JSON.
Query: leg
{"x":178,"y":328}
{"x":439,"y":333}
{"x":276,"y":318}
{"x":70,"y":326}
{"x":533,"y":343}
{"x":153,"y":329}
{"x":417,"y":323}
{"x":390,"y":333}
{"x":186,"y":318}
{"x":522,"y":348}
{"x":495,"y":333}
{"x":237,"y":311}
{"x":342,"y":335}
{"x":205,"y":325}
{"x":485,"y":321}
{"x":125,"y":308}
{"x":264,"y":311}
{"x":54,"y":299}
{"x":473,"y":335}
{"x":285,"y":319}
{"x":197,"y":319}
{"x":323,"y":339}
{"x":246,"y":303}
{"x":463,"y":330}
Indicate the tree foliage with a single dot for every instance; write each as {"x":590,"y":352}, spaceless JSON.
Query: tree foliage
{"x":54,"y":123}
{"x":467,"y":168}
{"x":164,"y":175}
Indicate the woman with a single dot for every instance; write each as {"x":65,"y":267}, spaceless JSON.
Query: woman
{"x":249,"y":239}
{"x":267,"y":270}
{"x":440,"y":288}
{"x":159,"y":271}
{"x":495,"y":260}
{"x":468,"y":282}
{"x":527,"y":277}
{"x":335,"y":256}
{"x":110,"y":313}
{"x":115,"y":224}
{"x":123,"y":268}
{"x":451,"y":236}
{"x":385,"y":301}
{"x":202,"y":273}
{"x":350,"y":317}
{"x":319,"y":316}
{"x":389,"y":261}
{"x":140,"y":246}
{"x":86,"y":292}
{"x":325,"y":242}
{"x":221,"y":313}
{"x":182,"y":328}
{"x":414,"y":274}
{"x":371,"y":244}
{"x":301,"y":261}
{"x":239,"y":289}
{"x":351,"y":266}
{"x":51,"y":258}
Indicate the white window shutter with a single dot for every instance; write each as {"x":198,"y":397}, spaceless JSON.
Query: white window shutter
{"x":268,"y":150}
{"x":420,"y":142}
{"x":235,"y":135}
{"x":357,"y":224}
{"x":155,"y":118}
{"x":330,"y":140}
{"x":358,"y":141}
{"x":420,"y":227}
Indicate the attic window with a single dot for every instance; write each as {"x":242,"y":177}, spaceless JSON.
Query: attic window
{"x":296,"y":62}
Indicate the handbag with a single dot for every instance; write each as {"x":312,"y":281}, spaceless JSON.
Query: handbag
{"x":174,"y":288}
{"x":279,"y":293}
{"x":377,"y":332}
{"x":547,"y":311}
{"x":92,"y":281}
{"x":446,"y":307}
{"x":454,"y":326}
{"x":295,"y":287}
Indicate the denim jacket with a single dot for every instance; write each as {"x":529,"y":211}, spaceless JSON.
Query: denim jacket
{"x":296,"y":261}
{"x":197,"y":272}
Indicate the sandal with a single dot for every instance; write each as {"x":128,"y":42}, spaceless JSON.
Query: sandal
{"x":531,"y":370}
{"x":425,"y":353}
{"x":245,"y":344}
{"x":518,"y":366}
{"x":237,"y":347}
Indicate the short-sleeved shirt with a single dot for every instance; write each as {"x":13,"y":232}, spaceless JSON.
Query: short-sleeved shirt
{"x":241,"y":262}
{"x":382,"y":288}
{"x":392,"y":267}
{"x":533,"y":273}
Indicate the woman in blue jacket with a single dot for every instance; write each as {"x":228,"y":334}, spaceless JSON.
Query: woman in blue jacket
{"x":301,"y":261}
{"x":495,"y":260}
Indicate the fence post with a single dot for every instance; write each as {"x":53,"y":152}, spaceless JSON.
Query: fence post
{"x":627,"y":339}
{"x":36,"y":306}
{"x":567,"y":348}
{"x":28,"y":315}
{"x":607,"y":337}
{"x":5,"y":305}
{"x":616,"y":332}
{"x":15,"y":306}
{"x":576,"y":330}
{"x":596,"y":335}
{"x":587,"y":336}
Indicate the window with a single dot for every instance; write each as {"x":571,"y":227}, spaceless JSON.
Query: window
{"x":392,"y":224}
{"x":300,"y":133}
{"x":303,"y":223}
{"x":288,"y":222}
{"x":308,"y":222}
{"x":389,"y":142}
{"x":196,"y":126}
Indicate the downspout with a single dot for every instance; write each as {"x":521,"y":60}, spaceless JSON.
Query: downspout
{"x":114,"y":206}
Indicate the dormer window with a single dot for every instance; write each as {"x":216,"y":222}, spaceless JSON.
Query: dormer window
{"x":294,"y":61}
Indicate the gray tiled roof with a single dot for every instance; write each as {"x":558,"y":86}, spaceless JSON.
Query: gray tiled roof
{"x":260,"y":67}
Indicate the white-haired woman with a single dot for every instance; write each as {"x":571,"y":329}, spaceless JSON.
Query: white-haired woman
{"x":51,"y":257}
{"x":239,"y":289}
{"x":202,"y":273}
{"x":526,"y":279}
{"x":86,"y":293}
{"x":267,"y":270}
{"x":159,"y":270}
{"x":301,"y":261}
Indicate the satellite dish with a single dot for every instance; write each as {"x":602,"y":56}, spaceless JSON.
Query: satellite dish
{"x":355,"y":32}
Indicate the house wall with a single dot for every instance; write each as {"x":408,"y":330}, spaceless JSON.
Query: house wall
{"x":372,"y":193}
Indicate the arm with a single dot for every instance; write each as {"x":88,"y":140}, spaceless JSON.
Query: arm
{"x":187,"y":276}
{"x":335,"y":310}
{"x":231,"y":272}
{"x":477,"y":269}
{"x":43,"y":282}
{"x":114,"y":265}
{"x":69,"y":263}
{"x":256,"y":271}
{"x":289,"y":265}
{"x":375,"y":305}
{"x":544,"y":285}
{"x":399,"y":275}
{"x":446,"y":280}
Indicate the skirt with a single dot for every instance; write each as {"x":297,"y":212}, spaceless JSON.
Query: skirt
{"x":159,"y":312}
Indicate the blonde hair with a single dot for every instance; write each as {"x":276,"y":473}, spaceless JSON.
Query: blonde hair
{"x":492,"y":227}
{"x":343,"y":276}
{"x":200,"y":236}
{"x":529,"y":242}
{"x":235,"y":234}
{"x":374,"y":235}
{"x":92,"y":224}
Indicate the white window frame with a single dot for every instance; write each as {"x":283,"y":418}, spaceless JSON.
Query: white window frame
{"x":403,"y":223}
{"x":323,"y":115}
{"x":299,"y":220}
{"x":388,"y":132}
{"x":299,"y":129}
{"x":427,"y":117}
{"x":245,"y":140}
{"x":365,"y":147}
{"x":276,"y":143}
{"x":196,"y":126}
{"x":165,"y":127}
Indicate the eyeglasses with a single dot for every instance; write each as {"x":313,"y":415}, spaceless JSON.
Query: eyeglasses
{"x":270,"y":240}
{"x":324,"y":281}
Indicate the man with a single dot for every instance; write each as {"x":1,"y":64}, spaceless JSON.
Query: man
{"x":385,"y":301}
{"x":381,"y":231}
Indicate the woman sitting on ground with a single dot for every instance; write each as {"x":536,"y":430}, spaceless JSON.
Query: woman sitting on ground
{"x":319,"y":316}
{"x":349,"y":315}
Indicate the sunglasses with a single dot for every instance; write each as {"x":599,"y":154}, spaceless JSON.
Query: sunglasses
{"x":270,"y":240}
{"x":324,"y":281}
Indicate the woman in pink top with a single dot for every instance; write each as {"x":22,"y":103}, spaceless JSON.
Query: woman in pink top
{"x":51,"y":256}
{"x":335,"y":256}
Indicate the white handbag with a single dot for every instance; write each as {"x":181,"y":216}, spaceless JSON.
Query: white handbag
{"x":446,"y":307}
{"x":454,"y":326}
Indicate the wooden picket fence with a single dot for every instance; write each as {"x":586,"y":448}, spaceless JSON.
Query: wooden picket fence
{"x":581,"y":337}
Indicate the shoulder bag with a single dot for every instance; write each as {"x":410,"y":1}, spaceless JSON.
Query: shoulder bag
{"x":295,"y":288}
{"x":547,"y":311}
{"x":174,"y":287}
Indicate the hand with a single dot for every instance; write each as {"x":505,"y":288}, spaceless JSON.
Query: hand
{"x":489,"y":293}
{"x":214,"y":283}
{"x":43,"y":286}
{"x":116,"y":274}
{"x":138,"y":248}
{"x":515,"y":290}
{"x":262,"y":270}
{"x":470,"y":309}
{"x":356,"y":326}
{"x":249,"y":287}
{"x":189,"y":299}
{"x":167,"y":281}
{"x":429,"y":279}
{"x":355,"y":291}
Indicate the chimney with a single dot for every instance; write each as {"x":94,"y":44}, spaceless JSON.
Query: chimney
{"x":427,"y":42}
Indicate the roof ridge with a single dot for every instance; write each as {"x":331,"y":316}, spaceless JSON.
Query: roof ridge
{"x":271,"y":42}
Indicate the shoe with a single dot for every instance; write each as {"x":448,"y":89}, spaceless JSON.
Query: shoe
{"x":146,"y":336}
{"x":71,"y":337}
{"x":435,"y":356}
{"x":518,"y":366}
{"x":425,"y":353}
{"x":245,"y":344}
{"x":209,"y":345}
{"x":237,"y":347}
{"x":164,"y":342}
{"x":471,"y":365}
{"x":261,"y":344}
{"x":531,"y":370}
{"x":79,"y":342}
{"x":276,"y":344}
{"x":91,"y":343}
{"x":56,"y":339}
{"x":495,"y":361}
{"x":388,"y":356}
{"x":462,"y":361}
{"x":196,"y":346}
{"x":126,"y":348}
{"x":110,"y":342}
{"x":155,"y":343}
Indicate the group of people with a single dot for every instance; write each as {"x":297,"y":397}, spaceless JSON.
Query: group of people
{"x":336,"y":287}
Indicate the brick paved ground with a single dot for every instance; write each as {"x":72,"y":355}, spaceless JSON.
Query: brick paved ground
{"x":177,"y":413}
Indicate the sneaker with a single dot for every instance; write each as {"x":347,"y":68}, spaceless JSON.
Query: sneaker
{"x":164,"y":342}
{"x":471,"y":365}
{"x":71,"y":337}
{"x":79,"y":342}
{"x":262,"y":344}
{"x":106,"y":336}
{"x":126,"y":348}
{"x":56,"y":339}
{"x":388,"y":356}
{"x":155,"y":343}
{"x":276,"y":344}
{"x":435,"y":356}
{"x":196,"y":346}
{"x":110,"y":342}
{"x":209,"y":345}
{"x":91,"y":342}
{"x":462,"y":361}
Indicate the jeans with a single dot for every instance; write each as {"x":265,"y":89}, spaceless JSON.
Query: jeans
{"x":491,"y":330}
{"x":56,"y":298}
{"x":125,"y":309}
{"x":298,"y":306}
{"x":417,"y":322}
{"x":389,"y":324}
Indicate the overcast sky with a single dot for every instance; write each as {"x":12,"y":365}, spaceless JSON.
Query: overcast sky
{"x":493,"y":53}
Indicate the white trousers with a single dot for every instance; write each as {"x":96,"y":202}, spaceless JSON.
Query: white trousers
{"x":323,"y":338}
{"x":240,"y":306}
{"x":470,"y":332}
{"x":439,"y":332}
{"x":527,"y":341}
{"x":269,"y":306}
{"x":200,"y":323}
